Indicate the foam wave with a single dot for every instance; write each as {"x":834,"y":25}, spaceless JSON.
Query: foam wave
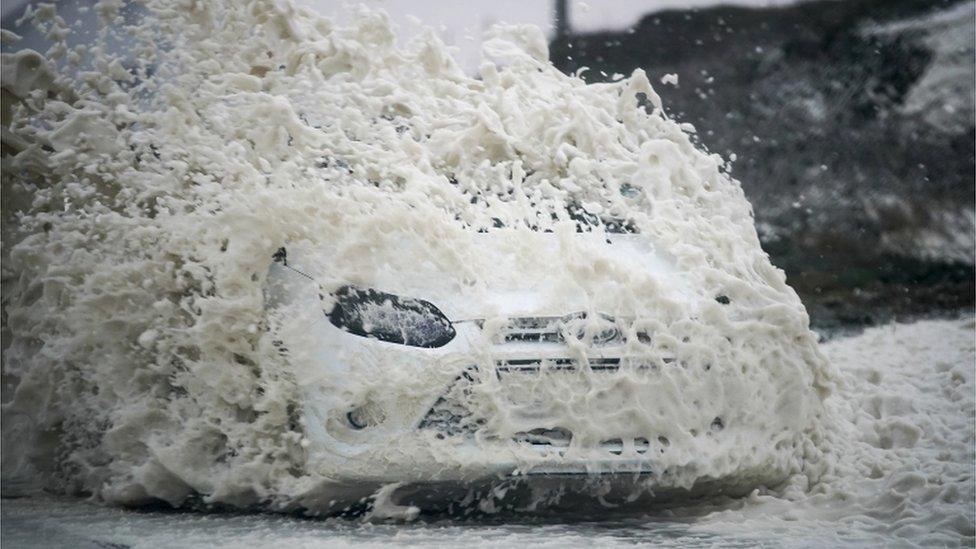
{"x":145,"y":196}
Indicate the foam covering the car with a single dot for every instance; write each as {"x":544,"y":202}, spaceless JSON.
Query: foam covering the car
{"x":154,"y":192}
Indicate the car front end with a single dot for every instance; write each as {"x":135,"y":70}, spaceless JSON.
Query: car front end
{"x":540,"y":385}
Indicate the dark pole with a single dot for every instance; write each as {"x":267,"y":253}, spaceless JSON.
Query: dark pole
{"x":562,"y":18}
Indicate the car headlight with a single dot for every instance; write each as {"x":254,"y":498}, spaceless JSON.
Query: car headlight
{"x":370,"y":313}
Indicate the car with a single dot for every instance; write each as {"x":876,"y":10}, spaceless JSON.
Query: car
{"x":554,"y":382}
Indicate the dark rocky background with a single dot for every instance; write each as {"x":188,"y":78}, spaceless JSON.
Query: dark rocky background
{"x":853,"y":126}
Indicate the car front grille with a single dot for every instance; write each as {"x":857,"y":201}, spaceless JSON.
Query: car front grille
{"x":531,"y":342}
{"x":597,"y":329}
{"x":555,"y":364}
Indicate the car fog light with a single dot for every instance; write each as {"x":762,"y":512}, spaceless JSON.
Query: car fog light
{"x":367,"y":415}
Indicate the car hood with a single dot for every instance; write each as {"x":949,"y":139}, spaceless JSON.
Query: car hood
{"x":507,"y":272}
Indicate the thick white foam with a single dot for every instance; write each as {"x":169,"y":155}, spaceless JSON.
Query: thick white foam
{"x":153,"y":199}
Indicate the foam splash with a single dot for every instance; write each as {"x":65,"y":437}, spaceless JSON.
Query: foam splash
{"x":145,"y":196}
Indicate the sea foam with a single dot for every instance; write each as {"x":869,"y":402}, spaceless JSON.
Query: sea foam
{"x":145,"y":192}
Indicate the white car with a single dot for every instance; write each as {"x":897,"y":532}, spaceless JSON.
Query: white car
{"x":409,"y":377}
